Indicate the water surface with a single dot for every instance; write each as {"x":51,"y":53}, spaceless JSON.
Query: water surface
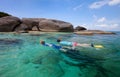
{"x":21,"y":55}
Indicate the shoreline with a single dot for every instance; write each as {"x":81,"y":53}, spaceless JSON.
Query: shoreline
{"x":92,"y":32}
{"x":85,"y":32}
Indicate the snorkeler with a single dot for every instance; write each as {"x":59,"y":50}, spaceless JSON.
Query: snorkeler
{"x":73,"y":44}
{"x":64,"y":49}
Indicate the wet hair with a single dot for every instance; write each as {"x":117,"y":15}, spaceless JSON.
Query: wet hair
{"x":42,"y":42}
{"x":58,"y":40}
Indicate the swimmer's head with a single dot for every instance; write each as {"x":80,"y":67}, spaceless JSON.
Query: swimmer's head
{"x":58,"y":40}
{"x":42,"y":42}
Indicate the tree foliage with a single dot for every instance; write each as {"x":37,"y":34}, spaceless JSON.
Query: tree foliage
{"x":2,"y":14}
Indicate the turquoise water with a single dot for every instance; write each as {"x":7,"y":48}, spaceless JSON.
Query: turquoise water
{"x":21,"y":55}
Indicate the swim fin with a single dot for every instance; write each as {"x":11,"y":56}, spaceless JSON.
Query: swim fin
{"x":97,"y":46}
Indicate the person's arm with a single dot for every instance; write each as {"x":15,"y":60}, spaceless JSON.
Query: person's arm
{"x":84,"y":45}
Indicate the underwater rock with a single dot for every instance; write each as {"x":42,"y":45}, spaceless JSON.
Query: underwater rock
{"x":52,"y":58}
{"x":50,"y":70}
{"x":48,"y":58}
{"x":10,"y":41}
{"x":48,"y":65}
{"x":37,"y":60}
{"x":25,"y":60}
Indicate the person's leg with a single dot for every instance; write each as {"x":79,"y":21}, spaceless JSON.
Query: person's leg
{"x":57,"y":46}
{"x":84,"y":45}
{"x":64,"y":50}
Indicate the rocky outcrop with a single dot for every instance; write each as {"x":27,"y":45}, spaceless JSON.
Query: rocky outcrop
{"x":42,"y":24}
{"x":27,"y":25}
{"x":9,"y":23}
{"x":22,"y":28}
{"x":80,"y":28}
{"x":92,"y":32}
{"x":55,"y":25}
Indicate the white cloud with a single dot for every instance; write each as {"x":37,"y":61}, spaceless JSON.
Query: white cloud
{"x":99,"y":20}
{"x":98,"y":4}
{"x":102,"y":3}
{"x":103,"y":23}
{"x":77,"y":7}
{"x":114,"y":2}
{"x":114,"y":25}
{"x":103,"y":19}
{"x":108,"y":26}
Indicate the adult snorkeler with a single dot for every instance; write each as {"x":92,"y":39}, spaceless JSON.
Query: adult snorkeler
{"x":73,"y":44}
{"x":64,"y":49}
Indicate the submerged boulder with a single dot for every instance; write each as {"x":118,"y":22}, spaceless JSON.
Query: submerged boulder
{"x":9,"y":23}
{"x":49,"y":65}
{"x":10,"y":41}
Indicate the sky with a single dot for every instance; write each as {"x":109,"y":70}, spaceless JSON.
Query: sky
{"x":91,"y":14}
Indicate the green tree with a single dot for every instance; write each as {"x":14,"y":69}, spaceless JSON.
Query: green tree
{"x":2,"y":14}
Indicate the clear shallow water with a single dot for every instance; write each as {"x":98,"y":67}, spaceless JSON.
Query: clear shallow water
{"x":21,"y":55}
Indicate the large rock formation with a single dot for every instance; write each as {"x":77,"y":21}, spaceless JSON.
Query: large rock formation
{"x":27,"y":25}
{"x":9,"y":23}
{"x":42,"y":24}
{"x":55,"y":25}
